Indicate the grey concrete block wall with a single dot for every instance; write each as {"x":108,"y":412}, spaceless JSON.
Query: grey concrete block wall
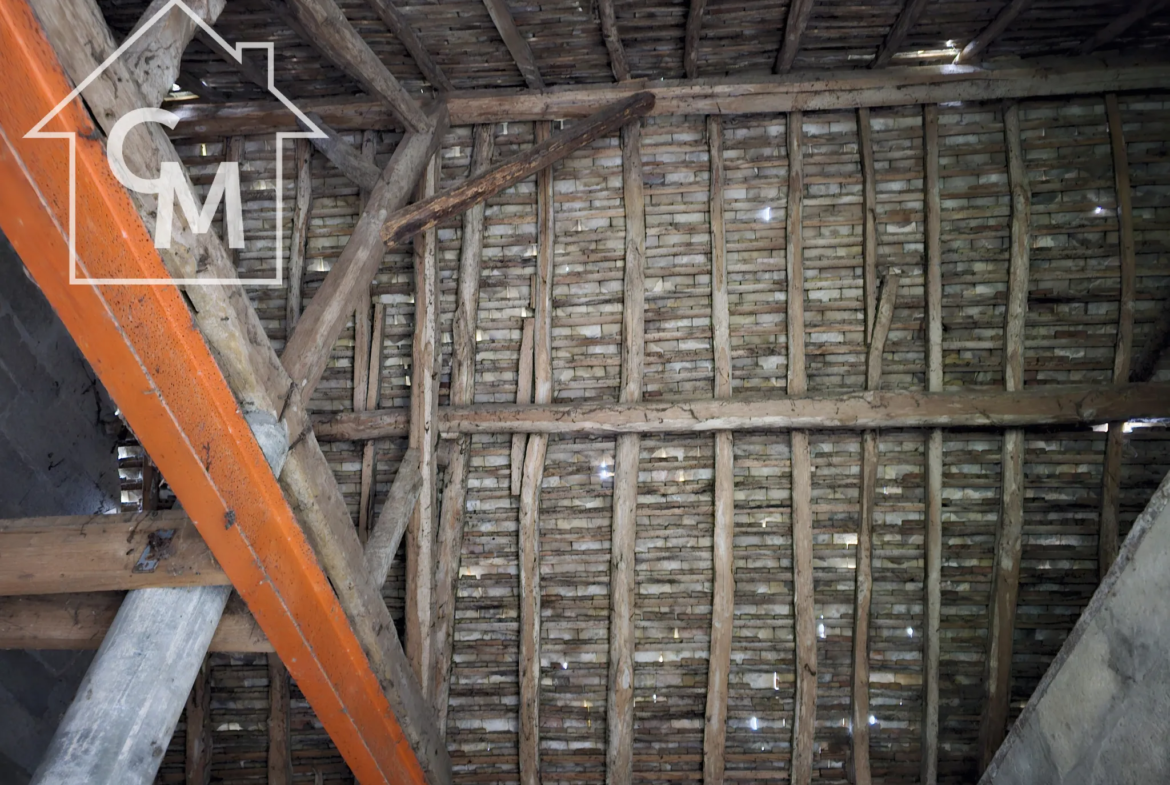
{"x":57,"y":457}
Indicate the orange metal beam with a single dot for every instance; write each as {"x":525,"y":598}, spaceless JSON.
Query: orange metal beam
{"x":145,"y":347}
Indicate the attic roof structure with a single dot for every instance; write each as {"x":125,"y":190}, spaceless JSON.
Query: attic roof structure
{"x":607,"y":391}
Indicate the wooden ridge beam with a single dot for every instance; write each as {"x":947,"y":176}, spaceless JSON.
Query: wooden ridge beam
{"x":452,"y":510}
{"x":515,"y":41}
{"x":613,"y":40}
{"x":722,"y":550}
{"x":932,"y":544}
{"x":80,"y":621}
{"x":799,"y":12}
{"x":398,"y":24}
{"x":424,"y":437}
{"x":1115,"y":442}
{"x":429,"y":212}
{"x":972,"y":51}
{"x":323,"y":25}
{"x":805,"y":704}
{"x":907,"y":19}
{"x":1006,"y":571}
{"x":897,"y":86}
{"x":1110,"y":32}
{"x":104,"y":553}
{"x":347,"y":285}
{"x":1041,"y":406}
{"x":245,"y":360}
{"x":619,"y":756}
{"x":693,"y":34}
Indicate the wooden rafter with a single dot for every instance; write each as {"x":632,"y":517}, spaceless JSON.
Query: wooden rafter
{"x":805,"y":706}
{"x":907,"y":19}
{"x":302,"y":212}
{"x":1006,"y":571}
{"x":323,"y":25}
{"x":1115,"y":442}
{"x":932,"y":545}
{"x":523,"y":397}
{"x":515,"y":41}
{"x":1110,"y":32}
{"x":693,"y":33}
{"x":280,"y":771}
{"x":155,"y":57}
{"x":723,"y":566}
{"x":972,"y":51}
{"x":398,"y":24}
{"x":613,"y":40}
{"x":799,"y":12}
{"x":533,"y":476}
{"x":724,"y":96}
{"x":197,"y":760}
{"x":1157,"y":345}
{"x":427,"y":213}
{"x":451,"y":511}
{"x":424,"y":437}
{"x":350,"y":162}
{"x":395,"y":516}
{"x":619,"y":757}
{"x":347,"y":285}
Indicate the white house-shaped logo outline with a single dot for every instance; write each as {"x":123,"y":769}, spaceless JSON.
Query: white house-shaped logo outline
{"x":236,"y":52}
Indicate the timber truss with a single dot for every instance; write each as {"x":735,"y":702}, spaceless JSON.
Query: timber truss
{"x":309,"y":576}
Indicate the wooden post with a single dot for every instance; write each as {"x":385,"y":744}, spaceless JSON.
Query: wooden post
{"x":1115,"y":444}
{"x":462,"y":393}
{"x":533,"y":476}
{"x":197,"y":767}
{"x":803,"y":724}
{"x":863,"y":595}
{"x":302,"y":211}
{"x":279,"y":752}
{"x":619,"y":758}
{"x":934,"y":457}
{"x":722,"y":554}
{"x":424,"y":433}
{"x":1006,"y":576}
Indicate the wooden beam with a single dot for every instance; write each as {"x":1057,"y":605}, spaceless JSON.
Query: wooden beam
{"x":398,"y":24}
{"x":197,"y":760}
{"x":302,"y":212}
{"x":245,"y":357}
{"x":533,"y":476}
{"x":515,"y":41}
{"x":905,"y":22}
{"x":932,"y":589}
{"x":1115,"y":443}
{"x":722,"y":552}
{"x":863,"y":594}
{"x":619,"y":757}
{"x":104,"y":553}
{"x":429,"y":212}
{"x":1049,"y":405}
{"x":972,"y":51}
{"x":1138,"y":11}
{"x":395,"y":517}
{"x":452,"y":510}
{"x":349,"y":162}
{"x":424,"y":437}
{"x":324,"y":27}
{"x":156,"y":55}
{"x":691,"y":41}
{"x":1006,"y":574}
{"x":613,"y":40}
{"x":805,"y":708}
{"x":799,"y":12}
{"x":80,"y":622}
{"x":1157,"y":344}
{"x":523,"y":397}
{"x":869,"y":218}
{"x":280,"y":770}
{"x":348,"y":283}
{"x":901,"y":86}
{"x":372,"y":388}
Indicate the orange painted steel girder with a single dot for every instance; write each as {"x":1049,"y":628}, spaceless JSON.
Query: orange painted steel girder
{"x":151,"y":357}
